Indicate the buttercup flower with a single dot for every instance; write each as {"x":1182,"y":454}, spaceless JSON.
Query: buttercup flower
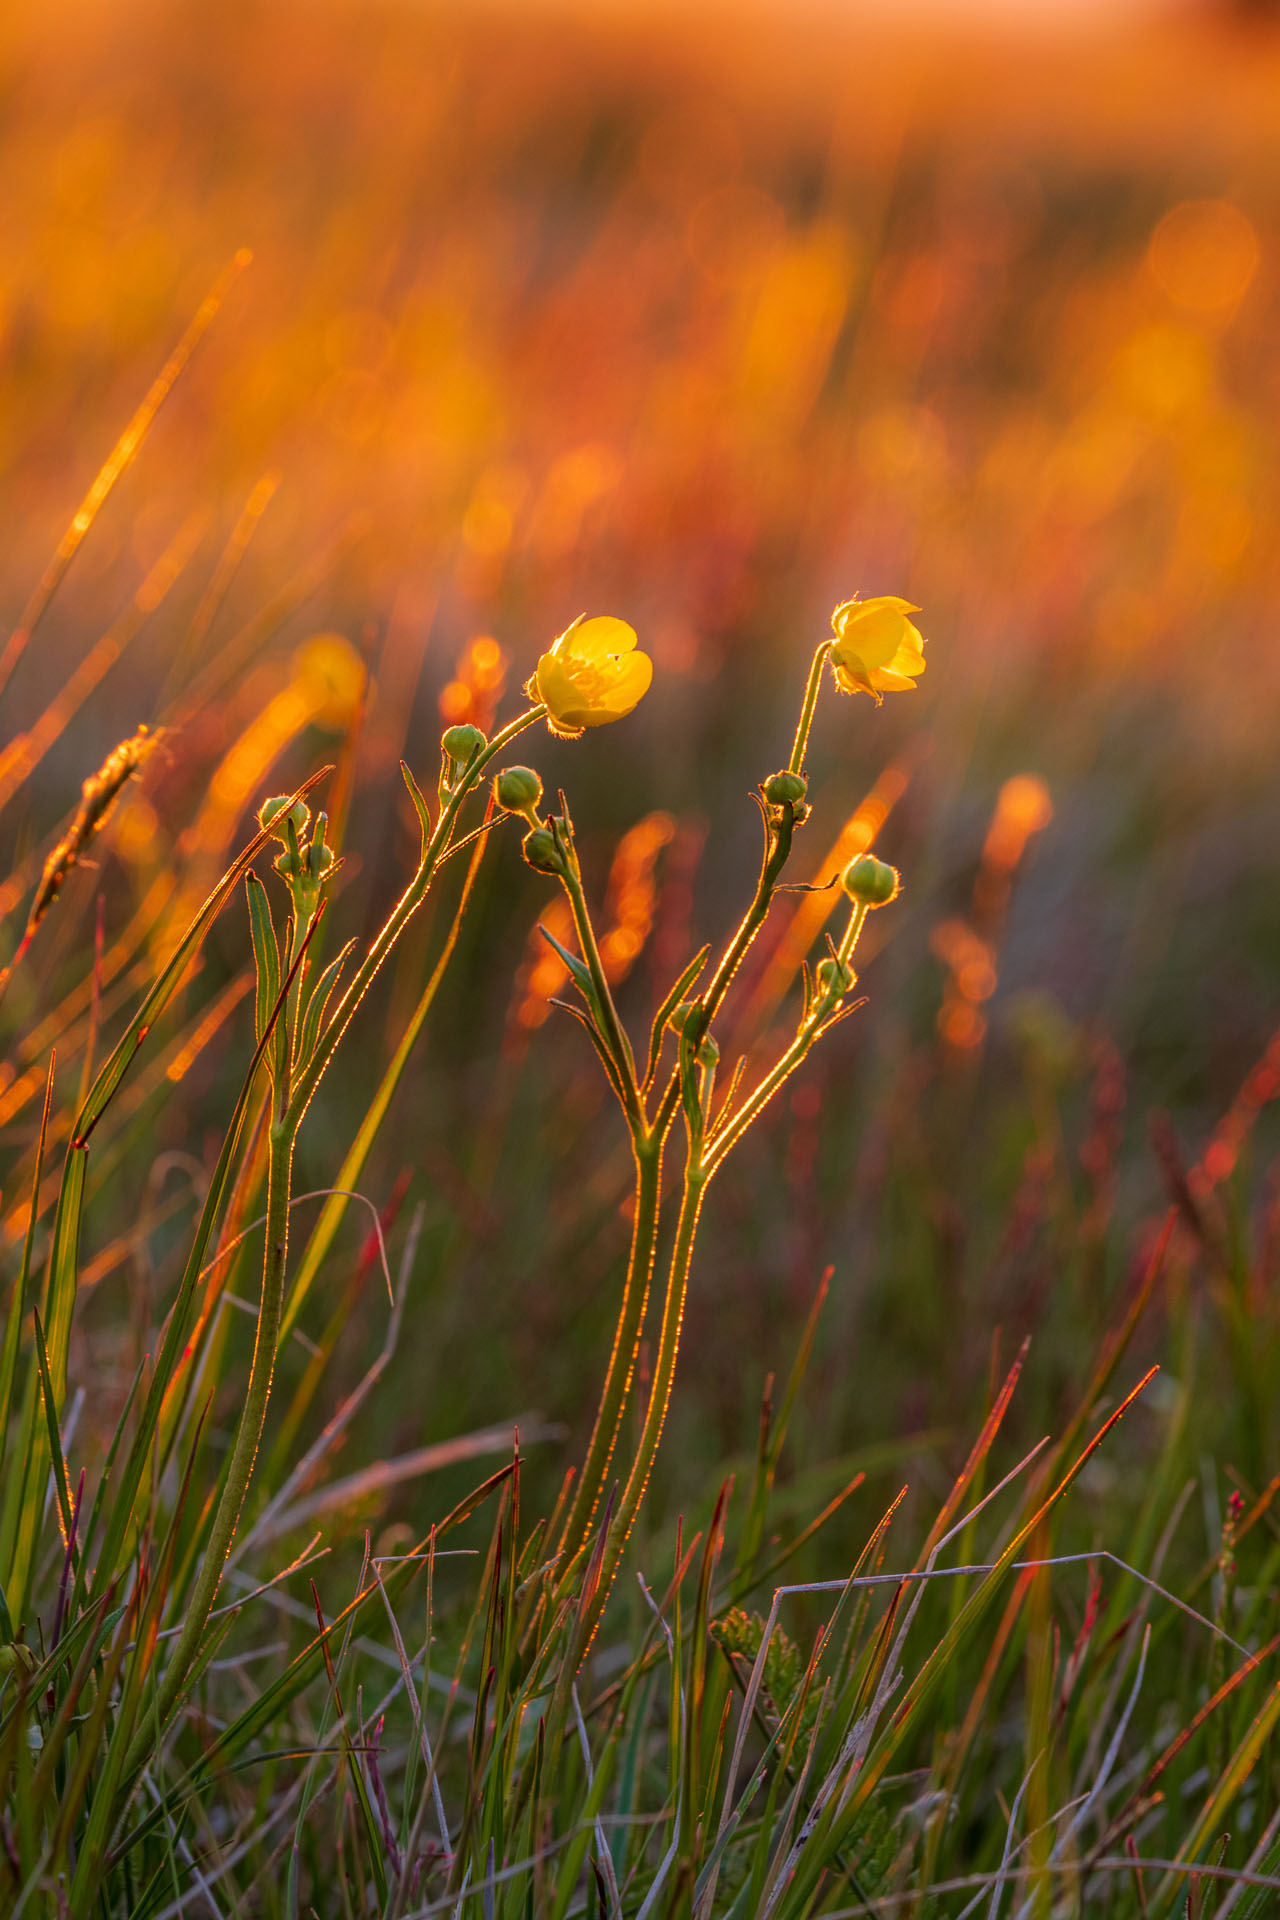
{"x":876,"y":648}
{"x":591,"y":675}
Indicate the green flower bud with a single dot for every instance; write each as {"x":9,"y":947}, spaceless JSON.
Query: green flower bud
{"x":541,"y":852}
{"x":871,"y":881}
{"x":274,"y":814}
{"x":517,"y":789}
{"x":833,"y":979}
{"x":708,"y":1051}
{"x":461,"y":742}
{"x":785,"y":789}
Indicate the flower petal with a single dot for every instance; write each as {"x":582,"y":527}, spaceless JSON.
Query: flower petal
{"x":624,"y":693}
{"x":892,"y":600}
{"x":872,"y":635}
{"x":910,"y":655}
{"x":556,"y":688}
{"x":598,"y":638}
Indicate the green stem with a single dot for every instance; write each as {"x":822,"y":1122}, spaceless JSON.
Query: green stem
{"x":849,"y":939}
{"x":731,"y":1130}
{"x":664,"y":1373}
{"x":779,"y":832}
{"x":800,"y":745}
{"x":646,"y":1144}
{"x":626,"y":1348}
{"x":434,"y":849}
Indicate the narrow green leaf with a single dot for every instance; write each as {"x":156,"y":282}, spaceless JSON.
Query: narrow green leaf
{"x":1241,"y":1765}
{"x":772,"y":1440}
{"x":61,"y":1487}
{"x":16,"y":1483}
{"x":578,"y":968}
{"x":35,"y":1457}
{"x":17,"y":1300}
{"x":833,"y":1829}
{"x":679,"y":992}
{"x":89,"y":1530}
{"x":301,"y":1670}
{"x":348,"y":1178}
{"x":421,"y":808}
{"x":181,"y":1317}
{"x":319,"y":1001}
{"x":266,"y":952}
{"x":60,"y":1284}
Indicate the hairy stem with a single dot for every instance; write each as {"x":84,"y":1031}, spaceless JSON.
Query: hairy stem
{"x":733,"y":1127}
{"x":777,"y":849}
{"x":664,"y":1373}
{"x":800,"y":745}
{"x":626,"y":1347}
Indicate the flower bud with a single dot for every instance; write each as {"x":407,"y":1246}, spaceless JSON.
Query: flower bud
{"x":15,"y":1654}
{"x":541,"y":852}
{"x":461,"y":742}
{"x":679,"y":1015}
{"x":273,"y":816}
{"x":833,"y":979}
{"x":871,"y":881}
{"x":785,"y":789}
{"x":708,"y":1052}
{"x":517,"y":789}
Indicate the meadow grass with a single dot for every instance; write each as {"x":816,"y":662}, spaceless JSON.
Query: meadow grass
{"x":545,"y":1709}
{"x":700,"y":1461}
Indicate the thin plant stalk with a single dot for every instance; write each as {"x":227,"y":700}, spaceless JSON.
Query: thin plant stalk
{"x":800,"y":745}
{"x":626,"y":1346}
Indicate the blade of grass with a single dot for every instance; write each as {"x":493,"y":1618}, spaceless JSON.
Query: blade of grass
{"x":115,"y":463}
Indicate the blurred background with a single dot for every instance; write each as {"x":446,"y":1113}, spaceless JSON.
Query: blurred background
{"x":707,"y":318}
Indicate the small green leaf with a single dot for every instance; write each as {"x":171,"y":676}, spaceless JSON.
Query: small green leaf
{"x":318,"y":1002}
{"x":266,"y":952}
{"x":420,"y":805}
{"x":578,"y":968}
{"x":678,"y":993}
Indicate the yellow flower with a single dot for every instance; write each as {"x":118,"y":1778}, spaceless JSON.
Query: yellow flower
{"x":591,"y":675}
{"x":876,"y":649}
